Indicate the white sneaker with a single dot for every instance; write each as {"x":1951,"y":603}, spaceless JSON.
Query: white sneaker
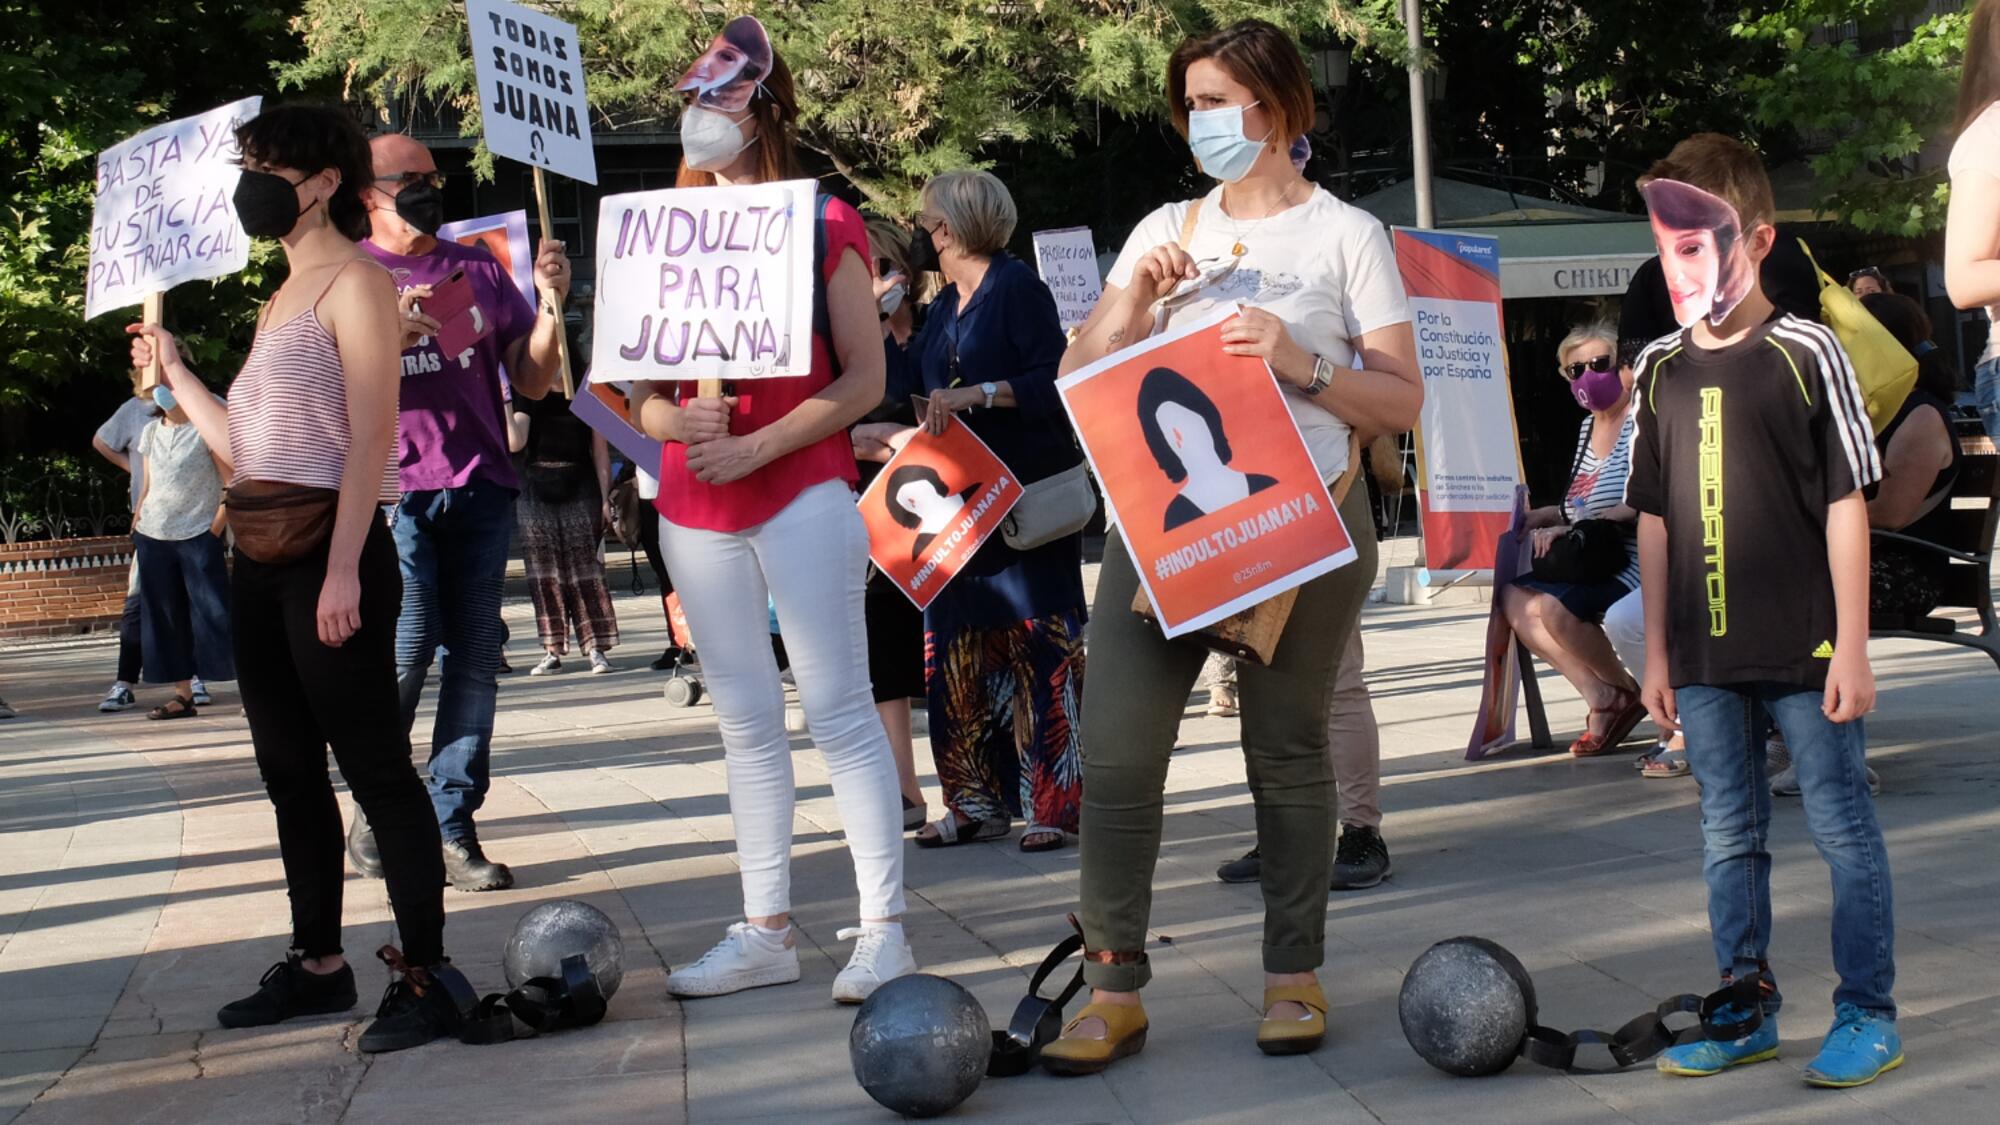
{"x":878,"y":959}
{"x":200,"y":692}
{"x":598,"y":664}
{"x":550,"y":663}
{"x":740,"y":960}
{"x":117,"y":699}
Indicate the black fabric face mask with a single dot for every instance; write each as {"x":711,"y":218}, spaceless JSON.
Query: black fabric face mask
{"x":923,"y":251}
{"x":422,"y":206}
{"x":267,"y":204}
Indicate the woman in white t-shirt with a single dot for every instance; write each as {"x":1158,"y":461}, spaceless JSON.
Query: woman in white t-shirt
{"x":1323,"y":305}
{"x":1972,"y":228}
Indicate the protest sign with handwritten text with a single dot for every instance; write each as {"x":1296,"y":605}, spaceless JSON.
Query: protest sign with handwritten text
{"x":164,"y":211}
{"x":931,"y":508}
{"x":1068,"y":262}
{"x":705,"y":283}
{"x":531,"y":92}
{"x":1205,"y":473}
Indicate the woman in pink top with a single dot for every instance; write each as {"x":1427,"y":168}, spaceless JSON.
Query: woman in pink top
{"x":313,"y":414}
{"x":756,"y":497}
{"x":1972,"y":228}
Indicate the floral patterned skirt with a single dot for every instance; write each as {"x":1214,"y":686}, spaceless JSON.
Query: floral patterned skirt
{"x":1003,"y":718}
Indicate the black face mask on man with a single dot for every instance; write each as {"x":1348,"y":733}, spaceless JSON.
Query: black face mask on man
{"x":422,"y":206}
{"x":267,"y":204}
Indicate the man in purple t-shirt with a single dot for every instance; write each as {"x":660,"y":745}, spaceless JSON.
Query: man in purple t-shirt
{"x":457,"y":510}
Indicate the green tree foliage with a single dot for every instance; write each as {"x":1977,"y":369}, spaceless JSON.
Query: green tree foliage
{"x":1866,"y":85}
{"x":74,"y":79}
{"x":891,"y":92}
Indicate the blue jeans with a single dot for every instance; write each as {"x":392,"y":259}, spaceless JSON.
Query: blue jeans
{"x":1725,"y":728}
{"x":1986,"y":394}
{"x":452,"y":546}
{"x":184,"y":609}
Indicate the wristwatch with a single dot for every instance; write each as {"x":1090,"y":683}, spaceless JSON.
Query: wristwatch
{"x":1322,"y":375}
{"x":989,"y":390}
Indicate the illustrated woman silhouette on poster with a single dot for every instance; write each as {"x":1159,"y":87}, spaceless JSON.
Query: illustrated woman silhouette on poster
{"x":1183,"y":430}
{"x":917,"y":498}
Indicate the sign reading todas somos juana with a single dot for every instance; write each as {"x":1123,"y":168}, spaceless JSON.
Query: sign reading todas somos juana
{"x":531,"y":92}
{"x":1468,"y":455}
{"x":1205,"y":473}
{"x":164,"y":211}
{"x":936,"y":502}
{"x":705,"y":283}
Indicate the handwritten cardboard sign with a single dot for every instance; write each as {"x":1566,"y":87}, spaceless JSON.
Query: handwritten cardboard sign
{"x":505,"y":236}
{"x":1068,"y":262}
{"x":1205,"y":473}
{"x":936,"y":502}
{"x":602,"y":406}
{"x":705,"y":283}
{"x":164,"y":211}
{"x":531,"y":92}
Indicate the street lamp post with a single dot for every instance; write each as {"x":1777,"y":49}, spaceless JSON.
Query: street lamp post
{"x":1420,"y":126}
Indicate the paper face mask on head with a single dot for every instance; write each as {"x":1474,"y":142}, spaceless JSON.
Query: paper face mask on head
{"x":728,"y":72}
{"x":1704,"y":251}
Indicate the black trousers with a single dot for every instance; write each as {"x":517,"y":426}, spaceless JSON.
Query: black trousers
{"x":302,"y":697}
{"x":649,"y":538}
{"x":129,"y":643}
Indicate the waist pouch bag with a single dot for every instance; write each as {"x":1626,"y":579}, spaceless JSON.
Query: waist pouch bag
{"x":1590,"y":551}
{"x":280,"y":523}
{"x":1050,"y":508}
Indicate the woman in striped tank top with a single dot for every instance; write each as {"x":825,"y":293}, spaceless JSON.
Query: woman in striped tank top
{"x":1562,"y":622}
{"x":312,"y":418}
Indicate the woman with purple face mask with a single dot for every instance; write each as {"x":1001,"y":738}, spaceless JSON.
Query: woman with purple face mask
{"x":1561,"y":622}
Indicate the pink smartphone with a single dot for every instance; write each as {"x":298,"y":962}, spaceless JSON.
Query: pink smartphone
{"x":461,"y":322}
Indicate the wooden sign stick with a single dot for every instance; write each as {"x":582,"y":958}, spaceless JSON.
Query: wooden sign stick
{"x":154,"y":307}
{"x":562,"y":326}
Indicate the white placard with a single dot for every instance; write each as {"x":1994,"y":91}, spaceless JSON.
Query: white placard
{"x":531,"y":88}
{"x":1068,"y":263}
{"x":164,"y":211}
{"x":705,"y":283}
{"x":1469,"y":448}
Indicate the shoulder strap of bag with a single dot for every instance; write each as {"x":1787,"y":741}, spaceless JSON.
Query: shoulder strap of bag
{"x":1824,"y":278}
{"x":822,"y":318}
{"x":1188,"y":223}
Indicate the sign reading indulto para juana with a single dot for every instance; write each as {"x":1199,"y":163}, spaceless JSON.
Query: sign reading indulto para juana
{"x":705,"y":283}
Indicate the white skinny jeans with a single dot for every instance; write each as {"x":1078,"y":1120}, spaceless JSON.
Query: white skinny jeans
{"x":810,"y":559}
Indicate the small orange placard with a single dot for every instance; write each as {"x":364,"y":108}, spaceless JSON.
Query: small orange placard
{"x":933,"y":506}
{"x":1205,"y":473}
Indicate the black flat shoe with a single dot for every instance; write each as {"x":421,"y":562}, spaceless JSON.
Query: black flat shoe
{"x":1248,"y":869}
{"x":362,"y":851}
{"x":420,"y":1004}
{"x":288,"y":989}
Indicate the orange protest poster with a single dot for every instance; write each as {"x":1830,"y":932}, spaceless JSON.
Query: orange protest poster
{"x":933,"y":506}
{"x":1205,"y":473}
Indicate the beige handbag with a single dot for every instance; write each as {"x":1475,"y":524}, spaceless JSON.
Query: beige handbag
{"x":1051,"y":508}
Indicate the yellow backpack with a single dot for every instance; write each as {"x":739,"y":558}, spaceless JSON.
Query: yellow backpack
{"x":1886,"y":369}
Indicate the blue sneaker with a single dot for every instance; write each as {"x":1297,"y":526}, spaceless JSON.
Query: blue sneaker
{"x":1704,"y":1057}
{"x":1859,"y":1049}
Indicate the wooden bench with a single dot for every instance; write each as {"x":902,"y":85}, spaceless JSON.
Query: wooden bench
{"x":1967,"y":582}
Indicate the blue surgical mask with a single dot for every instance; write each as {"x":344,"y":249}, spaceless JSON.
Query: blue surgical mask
{"x":1216,"y":137}
{"x":162,"y":397}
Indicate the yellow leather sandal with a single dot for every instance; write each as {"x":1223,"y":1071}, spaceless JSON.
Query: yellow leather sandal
{"x":1293,"y":1037}
{"x":1124,"y":1035}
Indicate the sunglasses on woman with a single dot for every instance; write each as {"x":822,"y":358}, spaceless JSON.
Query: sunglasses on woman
{"x":1599,"y":364}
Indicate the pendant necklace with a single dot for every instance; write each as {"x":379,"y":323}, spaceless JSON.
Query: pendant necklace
{"x":1238,"y":250}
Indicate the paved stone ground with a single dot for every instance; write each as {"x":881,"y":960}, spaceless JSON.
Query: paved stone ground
{"x":140,"y":888}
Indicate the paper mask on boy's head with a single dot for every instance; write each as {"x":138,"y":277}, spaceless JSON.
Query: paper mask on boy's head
{"x":730,"y":70}
{"x":1704,"y":250}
